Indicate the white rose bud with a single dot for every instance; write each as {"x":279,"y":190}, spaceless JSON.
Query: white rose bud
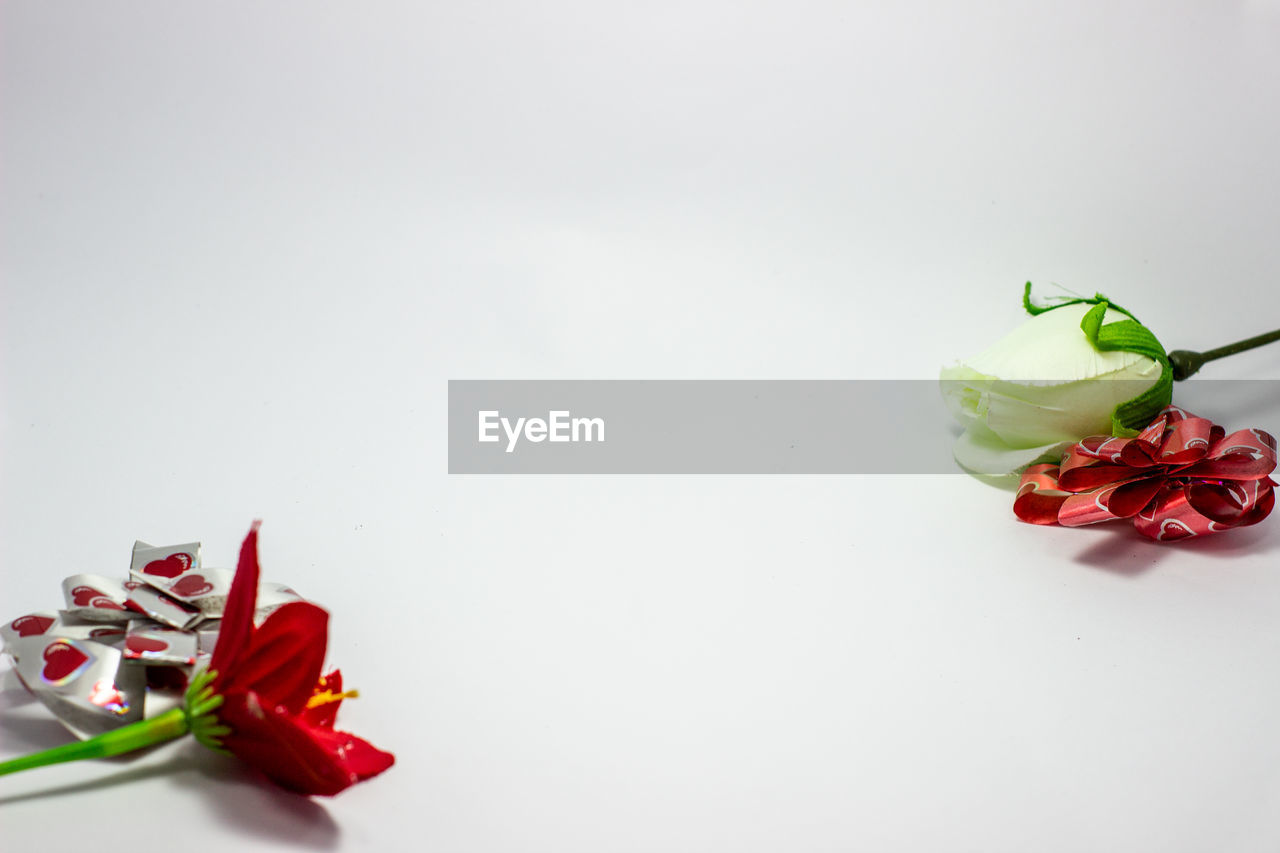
{"x":1079,"y":369}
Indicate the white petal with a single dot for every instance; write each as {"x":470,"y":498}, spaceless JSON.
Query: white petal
{"x":981,"y":451}
{"x":1052,"y":348}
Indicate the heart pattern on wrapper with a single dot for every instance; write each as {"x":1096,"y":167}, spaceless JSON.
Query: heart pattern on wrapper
{"x":170,"y":567}
{"x":141,"y":645}
{"x":1172,"y":529}
{"x":83,"y":596}
{"x":191,"y":586}
{"x":61,"y":661}
{"x":30,"y":626}
{"x":87,"y":596}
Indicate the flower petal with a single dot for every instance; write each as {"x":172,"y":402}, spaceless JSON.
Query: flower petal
{"x":1051,"y":347}
{"x":358,"y":755}
{"x":323,"y":715}
{"x":297,"y":756}
{"x":237,"y":618}
{"x":981,"y":451}
{"x":285,"y":654}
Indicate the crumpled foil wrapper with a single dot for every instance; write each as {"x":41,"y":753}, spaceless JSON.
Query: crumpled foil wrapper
{"x":124,"y":649}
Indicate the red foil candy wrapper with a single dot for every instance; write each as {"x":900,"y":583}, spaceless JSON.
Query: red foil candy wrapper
{"x":1183,"y":476}
{"x":122,"y":648}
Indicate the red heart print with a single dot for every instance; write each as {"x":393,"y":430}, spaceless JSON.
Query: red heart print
{"x":1173,"y":529}
{"x":28,"y":626}
{"x":191,"y":585}
{"x":170,"y":567}
{"x":61,"y":660}
{"x":145,"y":644}
{"x":82,"y":596}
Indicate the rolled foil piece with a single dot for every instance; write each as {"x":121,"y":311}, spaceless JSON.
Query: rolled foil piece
{"x":271,"y":596}
{"x":203,"y":589}
{"x":83,"y":682}
{"x":164,"y":562}
{"x":28,"y":625}
{"x":96,"y":598}
{"x":161,"y":608}
{"x":46,"y":622}
{"x":157,"y":645}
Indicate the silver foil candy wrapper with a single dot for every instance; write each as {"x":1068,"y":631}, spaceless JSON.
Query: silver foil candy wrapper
{"x":163,"y":609}
{"x":271,"y":596}
{"x":46,"y":623}
{"x":175,"y":570}
{"x":156,"y":645}
{"x":96,"y":598}
{"x":125,"y":648}
{"x":81,"y":680}
{"x":166,"y":562}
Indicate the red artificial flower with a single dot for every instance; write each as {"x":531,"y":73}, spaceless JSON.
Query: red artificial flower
{"x":1182,"y":476}
{"x":276,"y":710}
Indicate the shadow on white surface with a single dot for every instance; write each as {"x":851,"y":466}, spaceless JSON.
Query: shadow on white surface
{"x":1121,"y":550}
{"x":31,"y":732}
{"x":244,"y":802}
{"x":28,"y":725}
{"x":124,"y":777}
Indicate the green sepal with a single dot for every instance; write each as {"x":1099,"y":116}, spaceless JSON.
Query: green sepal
{"x":1128,"y":418}
{"x":1062,"y":302}
{"x":199,"y":705}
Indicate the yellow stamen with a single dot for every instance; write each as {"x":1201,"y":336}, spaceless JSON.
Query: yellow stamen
{"x":329,"y":696}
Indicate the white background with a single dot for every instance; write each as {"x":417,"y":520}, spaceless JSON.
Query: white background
{"x":245,"y":245}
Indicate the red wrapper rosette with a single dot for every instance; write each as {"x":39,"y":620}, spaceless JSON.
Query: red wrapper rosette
{"x":1180,"y":477}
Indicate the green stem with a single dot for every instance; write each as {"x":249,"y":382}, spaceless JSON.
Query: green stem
{"x":1186,"y":362}
{"x":167,"y":726}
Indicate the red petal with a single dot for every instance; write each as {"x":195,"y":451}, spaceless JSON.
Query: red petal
{"x":297,"y":756}
{"x":282,"y":663}
{"x":237,"y":618}
{"x":360,"y":757}
{"x":324,"y":715}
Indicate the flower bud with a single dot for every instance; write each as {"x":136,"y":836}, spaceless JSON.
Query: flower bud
{"x":1074,"y":370}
